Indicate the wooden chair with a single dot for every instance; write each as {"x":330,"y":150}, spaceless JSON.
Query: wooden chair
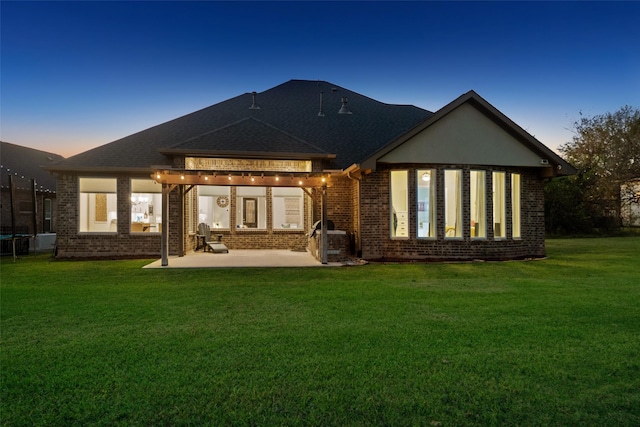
{"x":203,"y":238}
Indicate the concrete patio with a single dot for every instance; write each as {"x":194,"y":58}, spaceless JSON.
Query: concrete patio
{"x":244,"y":258}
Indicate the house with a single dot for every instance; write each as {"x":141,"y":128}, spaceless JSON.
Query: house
{"x":267,"y":170}
{"x":23,"y":185}
{"x":630,"y":203}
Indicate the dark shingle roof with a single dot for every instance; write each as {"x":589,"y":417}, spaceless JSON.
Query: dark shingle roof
{"x":263,"y":138}
{"x":287,"y":121}
{"x":26,"y":163}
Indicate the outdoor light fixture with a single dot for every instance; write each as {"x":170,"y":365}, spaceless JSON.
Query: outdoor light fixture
{"x":206,"y":178}
{"x":181,"y":176}
{"x":277,"y":178}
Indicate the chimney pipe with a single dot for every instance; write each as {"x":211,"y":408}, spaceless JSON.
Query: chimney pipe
{"x":254,"y":106}
{"x":344,"y":109}
{"x":320,"y":113}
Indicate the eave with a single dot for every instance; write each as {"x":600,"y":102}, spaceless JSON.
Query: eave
{"x":100,"y":170}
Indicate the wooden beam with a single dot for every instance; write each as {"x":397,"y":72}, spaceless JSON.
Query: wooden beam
{"x":240,"y":180}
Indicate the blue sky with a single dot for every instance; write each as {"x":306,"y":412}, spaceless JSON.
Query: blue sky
{"x":75,"y":75}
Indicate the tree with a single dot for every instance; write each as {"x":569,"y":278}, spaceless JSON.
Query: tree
{"x":564,"y":209}
{"x":606,"y":152}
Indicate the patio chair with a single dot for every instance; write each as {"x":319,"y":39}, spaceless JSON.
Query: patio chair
{"x":203,"y":238}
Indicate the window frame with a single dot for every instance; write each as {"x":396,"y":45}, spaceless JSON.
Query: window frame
{"x":499,"y":194}
{"x":261,"y":206}
{"x":473,"y":224}
{"x":111,"y":218}
{"x":432,"y":210}
{"x":275,"y":204}
{"x":458,"y":223}
{"x":222,"y":201}
{"x":146,"y":187}
{"x":399,"y":219}
{"x":516,"y":206}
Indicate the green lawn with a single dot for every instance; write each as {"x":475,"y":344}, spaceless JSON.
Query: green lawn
{"x":548,"y":342}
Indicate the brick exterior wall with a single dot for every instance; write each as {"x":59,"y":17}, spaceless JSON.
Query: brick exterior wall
{"x":70,"y":243}
{"x":377,"y":244}
{"x":360,"y":207}
{"x":124,"y":244}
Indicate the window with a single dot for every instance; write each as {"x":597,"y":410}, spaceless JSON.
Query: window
{"x":46,"y":216}
{"x":98,"y":205}
{"x":399,"y":204}
{"x":515,"y":205}
{"x":426,"y":203}
{"x":251,"y":207}
{"x":499,"y":216}
{"x":288,"y":208}
{"x":146,"y":206}
{"x":214,"y":206}
{"x":453,"y":203}
{"x":478,"y":201}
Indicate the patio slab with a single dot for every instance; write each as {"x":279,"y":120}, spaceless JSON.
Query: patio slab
{"x":243,"y":258}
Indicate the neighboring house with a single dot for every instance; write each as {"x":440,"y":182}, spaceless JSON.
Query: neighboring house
{"x":630,"y":203}
{"x":25,"y":166}
{"x":397,"y":182}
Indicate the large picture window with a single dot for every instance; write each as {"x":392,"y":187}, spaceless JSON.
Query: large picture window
{"x":98,"y":207}
{"x":214,"y":205}
{"x":478,"y":204}
{"x":515,"y":205}
{"x":426,"y":203}
{"x":399,"y":204}
{"x":453,"y":203}
{"x":288,"y":208}
{"x":251,"y":207}
{"x":499,"y":216}
{"x":146,"y":206}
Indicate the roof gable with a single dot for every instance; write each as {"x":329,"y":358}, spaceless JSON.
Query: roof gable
{"x":464,"y":136}
{"x":469,"y":130}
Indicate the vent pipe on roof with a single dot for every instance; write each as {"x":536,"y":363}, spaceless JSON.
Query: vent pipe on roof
{"x":344,"y":109}
{"x":320,"y":113}
{"x":254,"y":106}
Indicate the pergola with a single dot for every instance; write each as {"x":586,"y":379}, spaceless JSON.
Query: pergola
{"x":185,"y":179}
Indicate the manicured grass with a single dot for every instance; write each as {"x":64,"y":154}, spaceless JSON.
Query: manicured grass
{"x":549,"y":342}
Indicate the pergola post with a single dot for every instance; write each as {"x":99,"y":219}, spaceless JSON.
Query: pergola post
{"x":164,"y":247}
{"x":323,"y":234}
{"x":181,"y":250}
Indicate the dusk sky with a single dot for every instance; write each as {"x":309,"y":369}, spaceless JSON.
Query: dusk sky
{"x":76,"y":75}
